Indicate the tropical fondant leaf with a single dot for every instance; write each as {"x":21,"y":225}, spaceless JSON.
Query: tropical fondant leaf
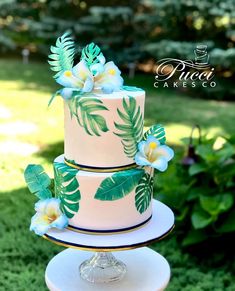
{"x":131,"y":130}
{"x":38,"y":181}
{"x":158,"y":132}
{"x":131,"y":88}
{"x":118,"y":185}
{"x":90,"y":53}
{"x":143,"y":193}
{"x":88,"y":118}
{"x":67,"y":188}
{"x":53,"y":97}
{"x":73,"y":103}
{"x":62,"y":55}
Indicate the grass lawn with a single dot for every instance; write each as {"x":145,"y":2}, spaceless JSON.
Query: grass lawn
{"x":35,"y":135}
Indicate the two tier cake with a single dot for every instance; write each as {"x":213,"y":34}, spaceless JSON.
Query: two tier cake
{"x":104,"y":181}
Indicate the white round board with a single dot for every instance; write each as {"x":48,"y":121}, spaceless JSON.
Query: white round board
{"x":146,"y":271}
{"x":161,"y":223}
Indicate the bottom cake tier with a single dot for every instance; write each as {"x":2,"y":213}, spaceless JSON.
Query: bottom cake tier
{"x":104,"y":202}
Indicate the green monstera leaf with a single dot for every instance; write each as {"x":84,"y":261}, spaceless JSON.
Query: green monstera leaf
{"x":67,"y":188}
{"x":158,"y":132}
{"x":87,"y":117}
{"x":118,"y":185}
{"x":143,"y":193}
{"x":90,"y":54}
{"x":131,"y":130}
{"x":62,"y":55}
{"x":38,"y":181}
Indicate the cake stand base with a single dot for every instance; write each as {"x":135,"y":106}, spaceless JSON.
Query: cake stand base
{"x":103,"y":267}
{"x":146,"y":271}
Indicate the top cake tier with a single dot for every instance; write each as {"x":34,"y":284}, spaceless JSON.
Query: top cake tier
{"x":105,"y":129}
{"x":103,"y":118}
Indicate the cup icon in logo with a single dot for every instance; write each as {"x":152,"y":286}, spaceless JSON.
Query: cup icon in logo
{"x":201,"y":55}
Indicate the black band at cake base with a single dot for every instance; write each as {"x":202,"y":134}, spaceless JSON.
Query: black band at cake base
{"x":98,"y":169}
{"x":110,"y":231}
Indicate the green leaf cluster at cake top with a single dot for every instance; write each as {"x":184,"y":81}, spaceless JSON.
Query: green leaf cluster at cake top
{"x":92,"y":72}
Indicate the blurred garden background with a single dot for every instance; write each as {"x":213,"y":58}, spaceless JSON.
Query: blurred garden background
{"x":199,"y":186}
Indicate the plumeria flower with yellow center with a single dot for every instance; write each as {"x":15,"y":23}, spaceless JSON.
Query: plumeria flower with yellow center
{"x":79,"y":78}
{"x":152,"y":153}
{"x":48,"y":215}
{"x":106,"y":77}
{"x":109,"y":79}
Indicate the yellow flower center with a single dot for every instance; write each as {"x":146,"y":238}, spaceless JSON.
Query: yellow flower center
{"x":50,"y":218}
{"x":68,"y":73}
{"x":152,"y":145}
{"x":151,"y":155}
{"x":112,"y":72}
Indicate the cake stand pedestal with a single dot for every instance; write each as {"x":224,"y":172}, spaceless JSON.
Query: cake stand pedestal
{"x":140,"y":270}
{"x":146,"y":271}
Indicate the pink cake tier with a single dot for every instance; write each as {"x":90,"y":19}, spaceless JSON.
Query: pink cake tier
{"x":104,"y":181}
{"x":101,"y":206}
{"x":100,"y":142}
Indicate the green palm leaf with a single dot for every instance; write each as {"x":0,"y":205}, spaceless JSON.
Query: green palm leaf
{"x":158,"y":132}
{"x":90,"y":54}
{"x":118,"y":185}
{"x":67,"y":188}
{"x":58,"y":92}
{"x":38,"y":181}
{"x":62,"y":55}
{"x":143,"y":193}
{"x":73,"y":103}
{"x":92,"y":122}
{"x":131,"y":130}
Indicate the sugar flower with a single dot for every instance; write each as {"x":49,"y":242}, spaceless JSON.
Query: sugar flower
{"x":82,"y":78}
{"x":110,"y":79}
{"x":48,"y":215}
{"x":79,"y":78}
{"x":152,"y":153}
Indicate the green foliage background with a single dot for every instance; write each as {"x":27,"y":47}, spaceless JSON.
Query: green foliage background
{"x":202,"y":194}
{"x":147,"y":30}
{"x":24,"y":256}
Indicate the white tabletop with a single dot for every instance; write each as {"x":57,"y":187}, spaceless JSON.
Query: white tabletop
{"x":146,"y":271}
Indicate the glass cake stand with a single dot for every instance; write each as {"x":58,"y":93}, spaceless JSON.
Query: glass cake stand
{"x":103,"y":267}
